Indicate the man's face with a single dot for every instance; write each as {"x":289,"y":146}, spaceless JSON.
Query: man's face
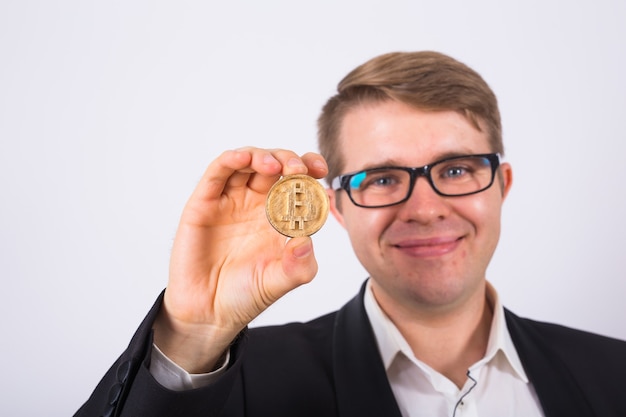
{"x":430,"y":250}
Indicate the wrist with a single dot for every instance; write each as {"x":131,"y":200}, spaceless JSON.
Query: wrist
{"x":197,"y":348}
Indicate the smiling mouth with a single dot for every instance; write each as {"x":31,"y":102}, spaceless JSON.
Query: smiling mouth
{"x":427,"y":248}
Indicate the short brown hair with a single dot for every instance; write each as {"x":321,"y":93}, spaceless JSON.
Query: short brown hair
{"x":426,"y":80}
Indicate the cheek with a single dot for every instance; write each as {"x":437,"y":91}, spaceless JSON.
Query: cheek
{"x":364,"y":231}
{"x":484,"y":214}
{"x":365,"y":226}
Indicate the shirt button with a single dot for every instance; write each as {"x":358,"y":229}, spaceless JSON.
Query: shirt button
{"x":114,"y":394}
{"x":123,"y":371}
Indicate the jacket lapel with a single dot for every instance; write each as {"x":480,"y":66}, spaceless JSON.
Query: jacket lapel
{"x":556,"y":388}
{"x":360,"y":377}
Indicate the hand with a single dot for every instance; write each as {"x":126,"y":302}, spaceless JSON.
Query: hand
{"x":228,"y":264}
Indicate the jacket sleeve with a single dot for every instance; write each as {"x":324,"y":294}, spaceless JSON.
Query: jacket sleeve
{"x":129,"y":390}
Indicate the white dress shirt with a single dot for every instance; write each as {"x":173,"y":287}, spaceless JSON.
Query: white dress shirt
{"x":171,"y":376}
{"x":496,"y":385}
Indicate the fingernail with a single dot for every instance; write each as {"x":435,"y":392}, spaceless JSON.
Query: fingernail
{"x":319,"y":165}
{"x":294,"y":162}
{"x":269,"y":159}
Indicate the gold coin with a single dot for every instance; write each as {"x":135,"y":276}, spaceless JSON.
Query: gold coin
{"x":297,"y":205}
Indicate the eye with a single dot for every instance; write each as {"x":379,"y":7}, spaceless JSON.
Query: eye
{"x":454,"y":172}
{"x":458,"y":169}
{"x":379,"y":179}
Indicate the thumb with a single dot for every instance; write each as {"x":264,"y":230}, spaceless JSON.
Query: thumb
{"x":299,"y":263}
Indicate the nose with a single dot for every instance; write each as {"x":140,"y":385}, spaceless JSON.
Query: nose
{"x":424,"y":205}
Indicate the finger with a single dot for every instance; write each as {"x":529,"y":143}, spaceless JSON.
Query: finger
{"x":310,"y":163}
{"x":233,"y":169}
{"x":299,"y":267}
{"x":316,"y":164}
{"x":255,"y":168}
{"x":289,"y":161}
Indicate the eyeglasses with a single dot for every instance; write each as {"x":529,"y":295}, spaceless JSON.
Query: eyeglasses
{"x":450,"y":177}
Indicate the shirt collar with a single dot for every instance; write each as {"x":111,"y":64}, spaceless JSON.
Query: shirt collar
{"x":391,"y":342}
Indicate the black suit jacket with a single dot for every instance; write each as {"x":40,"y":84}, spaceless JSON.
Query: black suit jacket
{"x":331,"y":367}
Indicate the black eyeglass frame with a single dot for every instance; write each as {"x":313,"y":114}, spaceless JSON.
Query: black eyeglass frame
{"x":342,"y":182}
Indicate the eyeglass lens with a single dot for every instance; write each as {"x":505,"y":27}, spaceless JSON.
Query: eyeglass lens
{"x":451,"y":177}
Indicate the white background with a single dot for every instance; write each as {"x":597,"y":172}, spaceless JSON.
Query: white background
{"x":110,"y":112}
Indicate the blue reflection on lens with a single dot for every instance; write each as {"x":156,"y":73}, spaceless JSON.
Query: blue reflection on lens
{"x":357,"y":179}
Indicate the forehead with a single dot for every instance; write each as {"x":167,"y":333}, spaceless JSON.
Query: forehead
{"x":391,"y":132}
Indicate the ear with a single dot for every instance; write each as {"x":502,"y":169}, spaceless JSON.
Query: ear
{"x":335,"y":206}
{"x":506,"y":178}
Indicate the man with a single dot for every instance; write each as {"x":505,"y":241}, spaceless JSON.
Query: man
{"x":413,"y":146}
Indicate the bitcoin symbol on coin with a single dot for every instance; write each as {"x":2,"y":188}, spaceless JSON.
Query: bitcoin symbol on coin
{"x":297,"y":205}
